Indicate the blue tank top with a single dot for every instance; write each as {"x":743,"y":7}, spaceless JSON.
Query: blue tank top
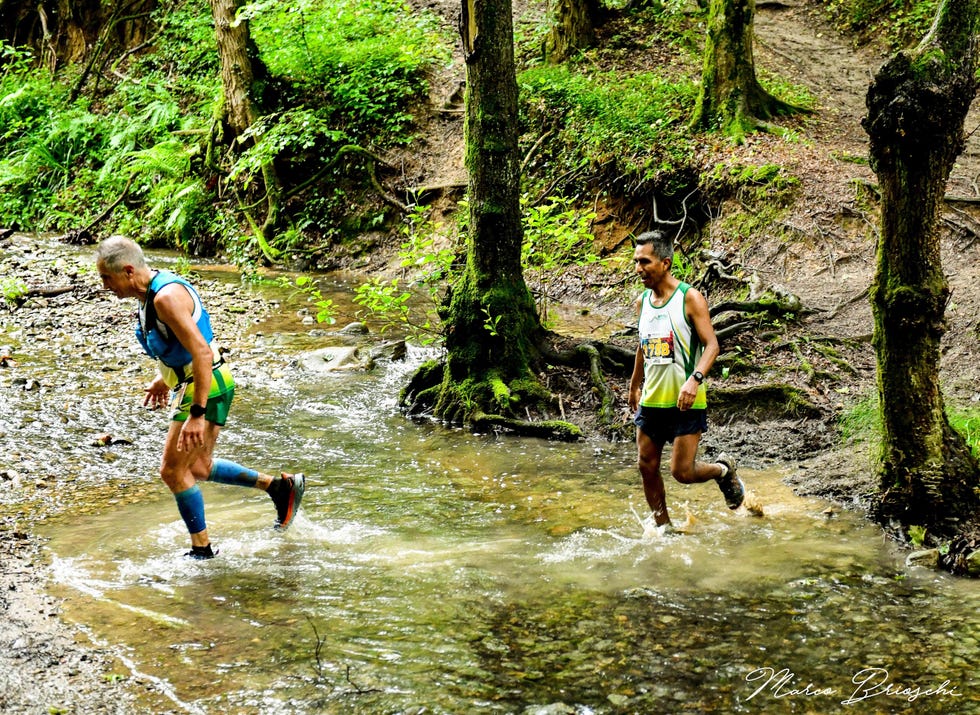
{"x":155,"y":336}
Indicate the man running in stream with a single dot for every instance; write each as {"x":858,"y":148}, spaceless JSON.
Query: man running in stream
{"x":174,"y":328}
{"x":677,"y":348}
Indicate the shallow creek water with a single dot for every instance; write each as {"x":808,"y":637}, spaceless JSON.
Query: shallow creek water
{"x":435,"y":571}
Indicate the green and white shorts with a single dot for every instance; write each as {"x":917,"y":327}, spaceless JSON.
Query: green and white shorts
{"x":219,"y":399}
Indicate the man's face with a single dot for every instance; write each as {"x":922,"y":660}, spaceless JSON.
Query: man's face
{"x":120,"y":283}
{"x":649,"y":268}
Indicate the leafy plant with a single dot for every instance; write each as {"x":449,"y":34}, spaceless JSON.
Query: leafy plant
{"x":324,"y":306}
{"x":917,"y":535}
{"x":967,"y":423}
{"x":897,"y":22}
{"x":13,"y":289}
{"x":391,"y":303}
{"x":367,"y":60}
{"x":492,"y":322}
{"x":635,"y":123}
{"x":556,"y":234}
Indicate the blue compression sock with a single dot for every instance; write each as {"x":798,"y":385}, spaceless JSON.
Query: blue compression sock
{"x":226,"y":472}
{"x":190,"y":504}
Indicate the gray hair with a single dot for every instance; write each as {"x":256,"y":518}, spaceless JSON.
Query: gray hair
{"x":116,"y":252}
{"x":659,"y":242}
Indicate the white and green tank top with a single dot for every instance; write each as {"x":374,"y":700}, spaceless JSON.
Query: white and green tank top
{"x":671,"y":349}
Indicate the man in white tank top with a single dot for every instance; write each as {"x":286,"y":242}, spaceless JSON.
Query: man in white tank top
{"x":677,"y":348}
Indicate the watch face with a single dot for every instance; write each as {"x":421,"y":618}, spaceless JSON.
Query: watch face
{"x":197,"y":411}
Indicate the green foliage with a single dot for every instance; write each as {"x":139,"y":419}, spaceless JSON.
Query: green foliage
{"x":341,"y":73}
{"x":556,"y":234}
{"x":917,"y":536}
{"x":492,"y":322}
{"x":633,"y":123}
{"x":324,"y":306}
{"x":763,"y":191}
{"x":898,"y":22}
{"x":365,"y":59}
{"x":967,"y":423}
{"x":13,"y":289}
{"x":391,"y":302}
{"x":419,"y":251}
{"x":861,"y":422}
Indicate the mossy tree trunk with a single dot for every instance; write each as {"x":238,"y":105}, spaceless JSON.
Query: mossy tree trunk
{"x":917,"y":105}
{"x":492,"y":325}
{"x":572,"y":29}
{"x":731,"y":98}
{"x":491,"y":314}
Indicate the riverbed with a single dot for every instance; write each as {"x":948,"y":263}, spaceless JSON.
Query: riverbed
{"x":435,"y":571}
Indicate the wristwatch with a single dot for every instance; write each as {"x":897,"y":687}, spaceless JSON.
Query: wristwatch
{"x":197,"y":410}
{"x":697,"y":375}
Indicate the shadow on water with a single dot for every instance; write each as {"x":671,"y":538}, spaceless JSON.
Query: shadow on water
{"x":435,"y":571}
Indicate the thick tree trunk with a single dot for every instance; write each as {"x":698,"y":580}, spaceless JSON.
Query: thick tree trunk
{"x":491,"y":320}
{"x":731,"y":97}
{"x":240,"y":109}
{"x":572,"y":29}
{"x":917,"y":105}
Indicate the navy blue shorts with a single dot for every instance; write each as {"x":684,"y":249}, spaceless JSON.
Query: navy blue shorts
{"x":662,"y":424}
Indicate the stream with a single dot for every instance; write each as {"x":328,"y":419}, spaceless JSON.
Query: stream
{"x":431,"y":570}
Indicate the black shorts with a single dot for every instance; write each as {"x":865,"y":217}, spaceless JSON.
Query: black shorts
{"x":662,"y":424}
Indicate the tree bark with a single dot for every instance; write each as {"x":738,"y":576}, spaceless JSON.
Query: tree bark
{"x":241,"y":71}
{"x":572,"y":29}
{"x":731,"y":97}
{"x":917,"y":105}
{"x":66,"y":31}
{"x":491,"y":320}
{"x":240,"y":110}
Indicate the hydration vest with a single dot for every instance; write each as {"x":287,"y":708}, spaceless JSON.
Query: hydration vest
{"x":155,"y":336}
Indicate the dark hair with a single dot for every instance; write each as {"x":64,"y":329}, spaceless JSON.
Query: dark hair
{"x":663,"y":247}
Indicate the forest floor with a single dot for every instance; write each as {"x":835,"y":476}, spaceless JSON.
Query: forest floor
{"x":828,"y":261}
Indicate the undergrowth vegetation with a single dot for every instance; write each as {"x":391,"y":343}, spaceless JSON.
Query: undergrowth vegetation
{"x":344,"y":82}
{"x":897,"y":23}
{"x":340,"y":74}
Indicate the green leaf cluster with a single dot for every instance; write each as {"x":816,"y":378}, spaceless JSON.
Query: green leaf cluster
{"x":556,"y":233}
{"x":365,"y":61}
{"x":898,"y":22}
{"x":636,"y":124}
{"x":340,"y":73}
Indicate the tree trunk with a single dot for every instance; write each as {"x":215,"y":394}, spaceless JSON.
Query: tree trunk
{"x":572,"y":29}
{"x":241,"y":70}
{"x":731,"y":97}
{"x":917,"y":105}
{"x":240,"y":110}
{"x":61,"y":31}
{"x":491,"y":320}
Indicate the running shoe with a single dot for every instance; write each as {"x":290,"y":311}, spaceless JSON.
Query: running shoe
{"x":731,"y":486}
{"x":287,"y":498}
{"x":201,"y":553}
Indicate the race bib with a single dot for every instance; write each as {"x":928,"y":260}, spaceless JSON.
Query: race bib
{"x":658,"y":351}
